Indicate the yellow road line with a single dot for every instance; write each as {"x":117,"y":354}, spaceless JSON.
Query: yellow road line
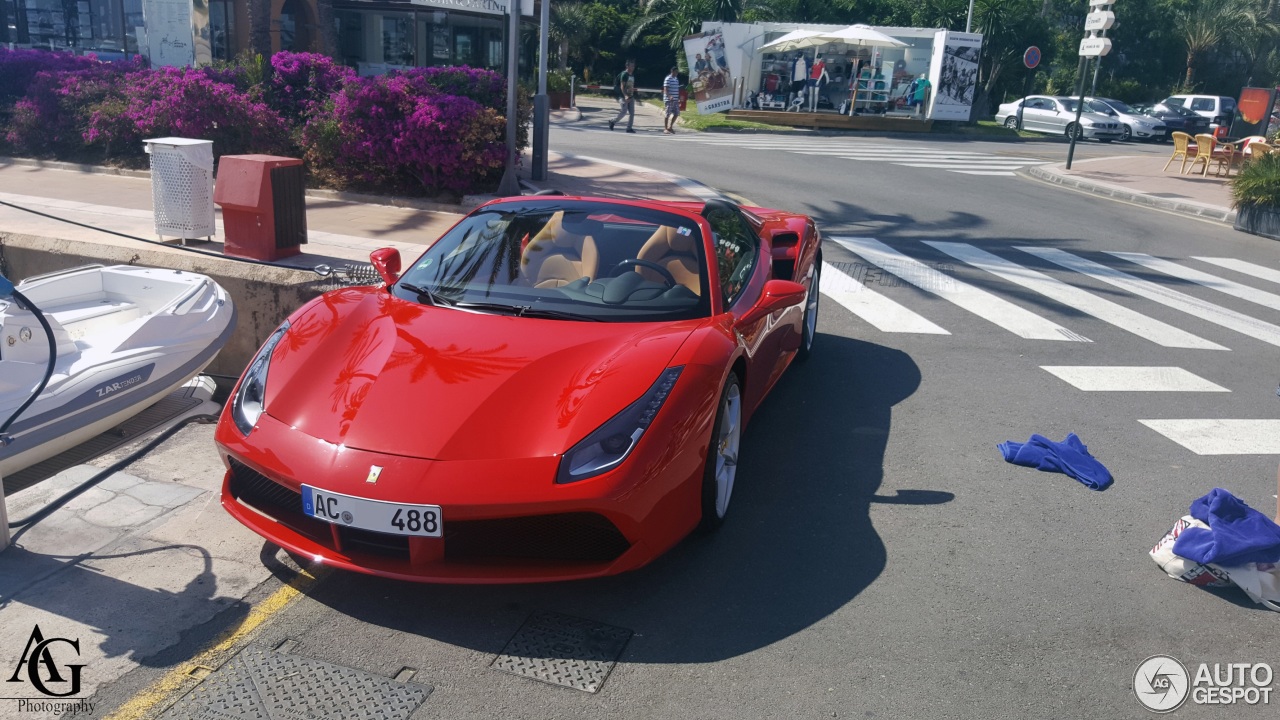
{"x":141,"y":705}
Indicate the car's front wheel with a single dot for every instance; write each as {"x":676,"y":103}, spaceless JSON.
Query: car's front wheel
{"x":1125,"y":133}
{"x":810,"y":327}
{"x":1074,"y":131}
{"x":722,"y":456}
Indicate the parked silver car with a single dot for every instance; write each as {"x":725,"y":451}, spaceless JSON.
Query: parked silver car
{"x":1133,"y":124}
{"x":1057,"y":116}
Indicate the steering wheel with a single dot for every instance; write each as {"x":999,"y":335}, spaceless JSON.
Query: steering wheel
{"x":666,"y":274}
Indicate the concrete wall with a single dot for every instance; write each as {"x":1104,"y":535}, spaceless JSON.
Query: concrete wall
{"x":264,"y":296}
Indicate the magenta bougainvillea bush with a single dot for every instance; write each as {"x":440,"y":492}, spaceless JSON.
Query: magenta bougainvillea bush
{"x":401,"y":132}
{"x":425,"y":130}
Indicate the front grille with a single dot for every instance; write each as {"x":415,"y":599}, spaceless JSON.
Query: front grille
{"x":572,"y":537}
{"x":374,"y":543}
{"x":285,"y":505}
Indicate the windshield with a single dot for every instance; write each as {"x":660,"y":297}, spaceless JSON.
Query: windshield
{"x":1120,"y":107}
{"x":1096,"y":106}
{"x":571,"y":260}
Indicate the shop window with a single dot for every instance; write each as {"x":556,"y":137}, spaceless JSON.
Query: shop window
{"x":398,"y":40}
{"x":222,"y":31}
{"x":349,"y":28}
{"x":106,"y":27}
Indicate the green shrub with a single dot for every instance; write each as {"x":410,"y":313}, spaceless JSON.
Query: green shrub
{"x":1257,"y":184}
{"x":559,"y":80}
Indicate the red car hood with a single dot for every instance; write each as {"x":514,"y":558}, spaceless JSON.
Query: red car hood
{"x":364,"y":370}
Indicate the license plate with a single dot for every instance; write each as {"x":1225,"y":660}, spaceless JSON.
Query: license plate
{"x":376,"y":515}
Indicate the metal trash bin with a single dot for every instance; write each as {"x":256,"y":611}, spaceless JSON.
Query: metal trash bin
{"x":182,"y":187}
{"x":263,"y":201}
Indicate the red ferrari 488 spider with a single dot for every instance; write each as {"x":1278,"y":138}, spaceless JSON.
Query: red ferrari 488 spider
{"x":555,"y":389}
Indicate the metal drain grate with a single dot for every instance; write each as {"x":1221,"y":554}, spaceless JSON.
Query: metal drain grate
{"x":260,"y":684}
{"x":563,"y":650}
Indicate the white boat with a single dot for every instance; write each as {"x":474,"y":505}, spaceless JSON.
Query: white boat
{"x":126,"y":336}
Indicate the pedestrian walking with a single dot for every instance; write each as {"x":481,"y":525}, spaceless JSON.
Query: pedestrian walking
{"x":671,"y":98}
{"x":626,"y":96}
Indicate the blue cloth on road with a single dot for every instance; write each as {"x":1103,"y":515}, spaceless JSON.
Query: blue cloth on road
{"x":1069,"y":456}
{"x":1237,"y":533}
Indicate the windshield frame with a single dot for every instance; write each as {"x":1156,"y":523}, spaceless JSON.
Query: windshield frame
{"x":494,"y":229}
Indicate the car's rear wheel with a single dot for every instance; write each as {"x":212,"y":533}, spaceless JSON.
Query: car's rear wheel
{"x":1011,"y":122}
{"x":810,"y":327}
{"x":722,"y":456}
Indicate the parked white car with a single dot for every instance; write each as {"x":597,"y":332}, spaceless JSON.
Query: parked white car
{"x":1133,"y":124}
{"x":1218,"y":108}
{"x":1057,"y":116}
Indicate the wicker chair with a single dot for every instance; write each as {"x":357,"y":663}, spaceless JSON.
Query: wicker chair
{"x":1205,"y":143}
{"x":1182,"y":148}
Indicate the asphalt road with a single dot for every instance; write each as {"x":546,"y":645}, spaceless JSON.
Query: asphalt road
{"x":881,"y":559}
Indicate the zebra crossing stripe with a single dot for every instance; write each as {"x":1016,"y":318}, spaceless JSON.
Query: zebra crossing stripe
{"x":1105,"y":310}
{"x":1241,"y":323}
{"x":975,"y":165}
{"x":879,"y":311}
{"x":1221,"y":437}
{"x":1230,"y":287}
{"x":1095,"y":378}
{"x":1002,"y":173}
{"x":985,"y":305}
{"x":1245,"y":268}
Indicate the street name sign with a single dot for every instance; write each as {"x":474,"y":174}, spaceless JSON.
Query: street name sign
{"x":1095,"y":46}
{"x":1099,"y":20}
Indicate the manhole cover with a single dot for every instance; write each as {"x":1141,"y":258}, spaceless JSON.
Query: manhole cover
{"x":258,"y":683}
{"x":564,"y":650}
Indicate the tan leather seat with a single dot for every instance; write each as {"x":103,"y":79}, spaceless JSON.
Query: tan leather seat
{"x":556,"y":257}
{"x":676,"y":253}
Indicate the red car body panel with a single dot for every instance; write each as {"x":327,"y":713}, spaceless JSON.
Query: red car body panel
{"x":473,"y":412}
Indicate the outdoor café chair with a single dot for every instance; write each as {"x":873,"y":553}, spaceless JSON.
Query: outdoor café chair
{"x":1182,"y":148}
{"x":1205,"y":143}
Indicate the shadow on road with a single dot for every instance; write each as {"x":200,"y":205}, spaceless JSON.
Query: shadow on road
{"x":798,"y":544}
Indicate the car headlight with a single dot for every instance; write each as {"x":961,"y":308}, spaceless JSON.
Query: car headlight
{"x":248,"y":404}
{"x":611,"y":443}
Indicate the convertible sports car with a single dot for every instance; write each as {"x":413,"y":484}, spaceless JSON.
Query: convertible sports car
{"x":555,"y":389}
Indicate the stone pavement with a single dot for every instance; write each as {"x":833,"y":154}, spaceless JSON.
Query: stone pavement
{"x":1141,"y":179}
{"x":146,"y":571}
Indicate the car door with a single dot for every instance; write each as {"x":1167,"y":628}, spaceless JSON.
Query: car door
{"x":740,"y":278}
{"x":1033,"y":114}
{"x":1056,"y":120}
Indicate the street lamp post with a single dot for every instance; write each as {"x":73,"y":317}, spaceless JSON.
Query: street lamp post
{"x":510,"y":184}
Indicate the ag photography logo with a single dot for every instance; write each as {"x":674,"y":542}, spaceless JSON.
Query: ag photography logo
{"x":39,"y":666}
{"x":1161,"y":684}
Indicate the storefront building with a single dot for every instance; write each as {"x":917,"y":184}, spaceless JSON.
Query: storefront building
{"x":372,"y":36}
{"x":858,"y":79}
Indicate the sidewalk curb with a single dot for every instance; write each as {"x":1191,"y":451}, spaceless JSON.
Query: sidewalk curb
{"x":1050,"y":174}
{"x":468,"y":201}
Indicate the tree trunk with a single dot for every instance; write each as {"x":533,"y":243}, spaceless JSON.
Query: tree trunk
{"x":564,"y":54}
{"x":1191,"y":71}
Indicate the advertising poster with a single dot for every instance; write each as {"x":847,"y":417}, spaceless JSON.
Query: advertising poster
{"x":170,"y":37}
{"x":710,"y":82}
{"x":1254,"y":113}
{"x":954,"y":74}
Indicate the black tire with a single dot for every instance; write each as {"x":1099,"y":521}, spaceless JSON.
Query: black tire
{"x":1011,"y":122}
{"x":1074,"y":130}
{"x":809,"y":325}
{"x":1125,"y":133}
{"x":713,"y":510}
{"x":1104,"y":140}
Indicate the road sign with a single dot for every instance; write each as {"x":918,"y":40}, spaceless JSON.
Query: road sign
{"x":1095,"y":47}
{"x":1099,"y":20}
{"x":1031,"y":57}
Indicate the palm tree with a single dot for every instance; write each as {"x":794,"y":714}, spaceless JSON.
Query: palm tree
{"x":1215,"y":25}
{"x":569,"y":25}
{"x":676,"y":19}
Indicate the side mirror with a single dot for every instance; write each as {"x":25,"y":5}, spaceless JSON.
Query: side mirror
{"x":777,"y":295}
{"x":387,"y":262}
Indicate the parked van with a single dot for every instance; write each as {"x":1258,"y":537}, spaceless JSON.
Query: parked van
{"x":1217,"y":108}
